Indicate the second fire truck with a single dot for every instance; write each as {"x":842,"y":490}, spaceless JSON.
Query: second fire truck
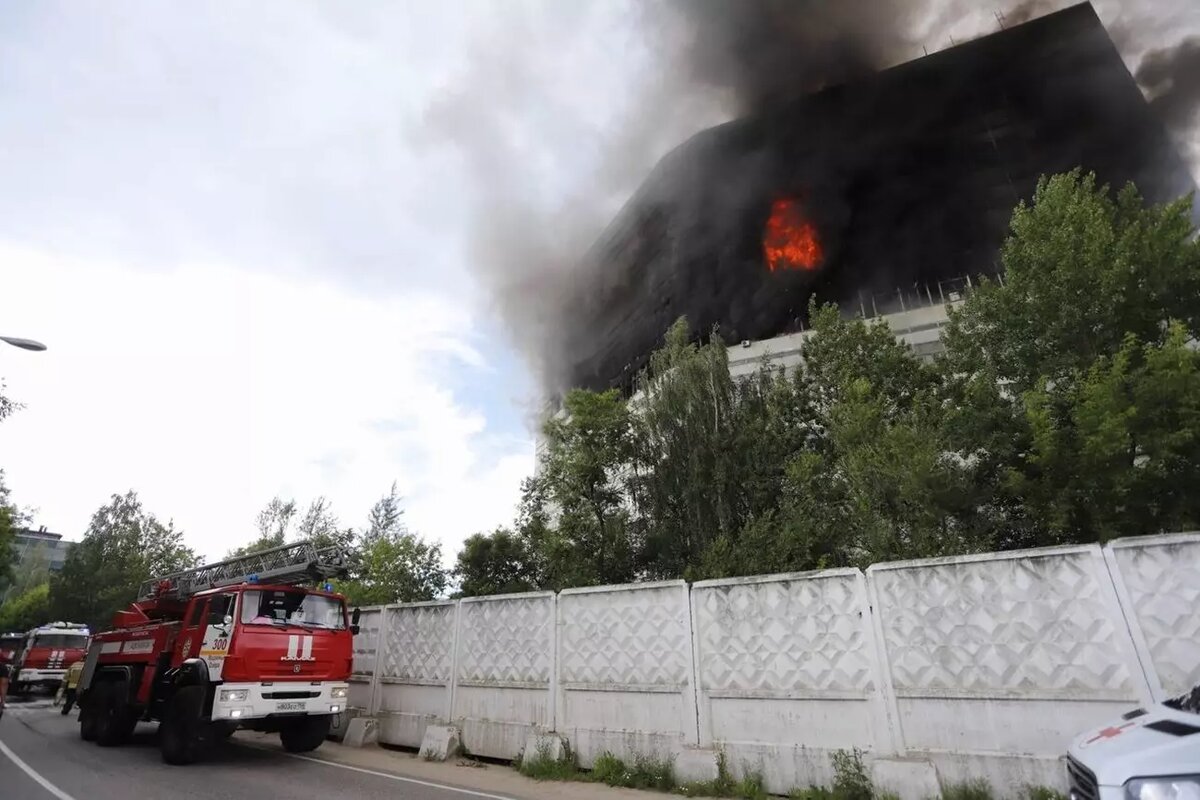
{"x":243,"y":643}
{"x":47,"y":653}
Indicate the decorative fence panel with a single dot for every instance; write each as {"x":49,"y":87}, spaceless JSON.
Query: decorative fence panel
{"x":416,"y":670}
{"x":625,"y":670}
{"x":504,"y":674}
{"x":1012,"y":653}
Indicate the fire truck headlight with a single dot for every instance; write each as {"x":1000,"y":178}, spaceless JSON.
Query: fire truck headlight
{"x":339,"y":692}
{"x":334,"y":709}
{"x":1177,"y":788}
{"x":234,"y":695}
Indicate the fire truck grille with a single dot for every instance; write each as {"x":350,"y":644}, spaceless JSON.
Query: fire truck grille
{"x":1083,"y":782}
{"x":290,"y":695}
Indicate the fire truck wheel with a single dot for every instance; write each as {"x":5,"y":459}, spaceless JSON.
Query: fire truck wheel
{"x":304,"y":734}
{"x":112,"y":716}
{"x":87,"y":711}
{"x":182,"y":735}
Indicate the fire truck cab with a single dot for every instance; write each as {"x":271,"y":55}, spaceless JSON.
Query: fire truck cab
{"x":240,"y":644}
{"x":47,"y":653}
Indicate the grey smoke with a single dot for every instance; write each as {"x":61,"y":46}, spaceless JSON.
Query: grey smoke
{"x":705,"y":61}
{"x":1171,"y":78}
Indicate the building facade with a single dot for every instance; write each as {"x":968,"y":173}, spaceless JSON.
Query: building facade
{"x":38,"y":548}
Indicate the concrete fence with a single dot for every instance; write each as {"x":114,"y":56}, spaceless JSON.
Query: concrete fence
{"x":939,"y":670}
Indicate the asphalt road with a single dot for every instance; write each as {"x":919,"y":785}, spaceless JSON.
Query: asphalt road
{"x":43,"y":758}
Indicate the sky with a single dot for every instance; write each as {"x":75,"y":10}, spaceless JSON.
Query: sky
{"x":255,"y":238}
{"x":249,"y":278}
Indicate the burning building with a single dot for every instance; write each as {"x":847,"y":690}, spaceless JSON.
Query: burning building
{"x":880,"y":187}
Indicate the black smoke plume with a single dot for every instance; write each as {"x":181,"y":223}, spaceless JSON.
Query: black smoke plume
{"x":712,"y":61}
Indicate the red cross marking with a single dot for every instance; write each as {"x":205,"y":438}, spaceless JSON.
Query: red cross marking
{"x":1109,"y":733}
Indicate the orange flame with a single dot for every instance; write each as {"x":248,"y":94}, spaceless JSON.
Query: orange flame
{"x":790,"y":241}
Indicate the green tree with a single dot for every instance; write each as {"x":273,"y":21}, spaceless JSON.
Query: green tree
{"x":1117,"y":452}
{"x":500,"y":562}
{"x":11,"y":519}
{"x":1047,"y":371}
{"x":398,"y":569}
{"x":273,"y":524}
{"x":578,"y":503}
{"x":25,"y":609}
{"x":124,"y":545}
{"x":386,"y":518}
{"x":320,"y":526}
{"x":390,"y":563}
{"x":1082,"y":270}
{"x":866,"y":472}
{"x":711,"y":450}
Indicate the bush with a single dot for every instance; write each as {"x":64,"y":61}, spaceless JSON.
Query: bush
{"x":850,"y":778}
{"x":544,"y":767}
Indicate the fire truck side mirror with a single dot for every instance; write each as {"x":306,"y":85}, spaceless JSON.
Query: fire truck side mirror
{"x":355,"y":616}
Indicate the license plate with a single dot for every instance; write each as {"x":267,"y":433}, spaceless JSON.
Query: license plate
{"x":290,"y":707}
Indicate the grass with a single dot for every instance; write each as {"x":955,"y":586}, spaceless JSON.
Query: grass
{"x":977,"y":789}
{"x":646,"y":772}
{"x":811,"y":793}
{"x":1043,"y":793}
{"x":750,"y":787}
{"x":851,"y":781}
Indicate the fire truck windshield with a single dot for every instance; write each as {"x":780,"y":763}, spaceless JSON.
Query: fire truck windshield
{"x":279,"y":607}
{"x":62,"y":641}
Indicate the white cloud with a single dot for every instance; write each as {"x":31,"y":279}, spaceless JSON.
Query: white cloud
{"x":209,"y":389}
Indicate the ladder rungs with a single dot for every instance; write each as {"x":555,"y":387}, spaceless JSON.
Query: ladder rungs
{"x":287,"y":564}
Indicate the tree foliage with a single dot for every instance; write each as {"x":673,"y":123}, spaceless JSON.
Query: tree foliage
{"x":8,"y":406}
{"x":1065,"y":409}
{"x":387,"y":562}
{"x":25,"y":609}
{"x":10,"y":520}
{"x":500,"y":562}
{"x":123,"y":546}
{"x":393,"y":564}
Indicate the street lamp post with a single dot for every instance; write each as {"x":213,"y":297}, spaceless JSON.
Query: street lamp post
{"x":24,"y":344}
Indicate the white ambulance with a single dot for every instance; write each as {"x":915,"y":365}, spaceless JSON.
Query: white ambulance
{"x":1150,"y":753}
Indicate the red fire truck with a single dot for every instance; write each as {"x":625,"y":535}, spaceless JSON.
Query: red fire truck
{"x":47,"y":653}
{"x":238,"y":644}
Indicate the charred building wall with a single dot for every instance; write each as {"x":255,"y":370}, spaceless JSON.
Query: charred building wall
{"x":903,"y":179}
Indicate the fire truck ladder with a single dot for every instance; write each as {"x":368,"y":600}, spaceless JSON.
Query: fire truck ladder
{"x":300,"y":562}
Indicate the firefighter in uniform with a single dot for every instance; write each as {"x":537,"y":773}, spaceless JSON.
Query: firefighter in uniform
{"x":70,"y":686}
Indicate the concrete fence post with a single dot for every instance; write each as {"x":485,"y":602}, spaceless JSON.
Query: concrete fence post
{"x":552,"y":703}
{"x":886,"y":716}
{"x":456,"y":617}
{"x":376,"y":671}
